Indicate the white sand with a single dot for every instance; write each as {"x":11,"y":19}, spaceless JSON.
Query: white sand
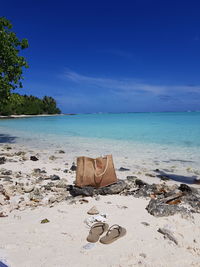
{"x":29,"y":116}
{"x":26,"y":242}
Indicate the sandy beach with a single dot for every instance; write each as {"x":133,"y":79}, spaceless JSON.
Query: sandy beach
{"x":36,"y":190}
{"x":29,"y":116}
{"x":99,"y":134}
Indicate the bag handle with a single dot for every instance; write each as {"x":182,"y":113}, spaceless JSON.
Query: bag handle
{"x":95,"y":166}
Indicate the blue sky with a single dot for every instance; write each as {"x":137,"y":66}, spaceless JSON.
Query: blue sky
{"x":111,"y":56}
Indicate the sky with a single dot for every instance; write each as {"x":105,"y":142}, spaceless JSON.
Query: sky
{"x":110,"y":56}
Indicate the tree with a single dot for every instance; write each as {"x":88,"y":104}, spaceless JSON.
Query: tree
{"x":29,"y":105}
{"x":49,"y":105}
{"x":11,"y":66}
{"x":11,"y":63}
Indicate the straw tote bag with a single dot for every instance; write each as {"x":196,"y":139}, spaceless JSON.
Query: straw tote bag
{"x":97,"y":172}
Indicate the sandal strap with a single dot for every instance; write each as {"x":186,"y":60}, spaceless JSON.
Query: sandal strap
{"x":98,"y":225}
{"x":115,"y":226}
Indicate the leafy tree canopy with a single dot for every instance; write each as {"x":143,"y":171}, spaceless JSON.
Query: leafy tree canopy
{"x":29,"y":105}
{"x":11,"y":63}
{"x":11,"y":66}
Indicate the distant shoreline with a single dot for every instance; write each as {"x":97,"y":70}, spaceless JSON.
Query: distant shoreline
{"x":27,"y":116}
{"x":30,"y":116}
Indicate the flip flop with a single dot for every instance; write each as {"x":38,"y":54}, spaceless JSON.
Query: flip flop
{"x":114,"y":233}
{"x":96,"y":230}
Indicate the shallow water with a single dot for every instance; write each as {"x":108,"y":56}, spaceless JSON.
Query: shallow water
{"x":168,"y":141}
{"x":179,"y":129}
{"x":159,"y":136}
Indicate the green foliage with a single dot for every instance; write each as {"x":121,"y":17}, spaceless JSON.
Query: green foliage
{"x":29,"y":105}
{"x":11,"y":66}
{"x":49,"y":105}
{"x":11,"y":63}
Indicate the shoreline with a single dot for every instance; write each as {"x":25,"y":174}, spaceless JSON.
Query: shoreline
{"x":36,"y":193}
{"x":72,"y":114}
{"x":29,"y":116}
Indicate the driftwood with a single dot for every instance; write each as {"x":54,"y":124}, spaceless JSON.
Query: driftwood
{"x":172,"y":197}
{"x":168,"y":234}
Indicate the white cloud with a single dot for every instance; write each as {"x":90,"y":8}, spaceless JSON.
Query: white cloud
{"x":130,"y":86}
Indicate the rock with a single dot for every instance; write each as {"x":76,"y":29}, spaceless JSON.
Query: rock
{"x":1,"y":188}
{"x":143,"y":255}
{"x":73,"y":167}
{"x":4,"y":210}
{"x":192,"y":200}
{"x":145,"y":223}
{"x":18,"y":174}
{"x":149,"y":190}
{"x":49,"y":186}
{"x":56,"y":169}
{"x":20,"y":153}
{"x":71,"y":202}
{"x":37,"y":191}
{"x":52,"y":199}
{"x":7,"y":154}
{"x":160,"y":209}
{"x":36,"y":195}
{"x":61,"y":197}
{"x":42,"y":178}
{"x":54,"y":189}
{"x":19,"y":189}
{"x":28,"y":188}
{"x":54,"y":177}
{"x":93,"y":211}
{"x":163,"y":177}
{"x":33,"y":158}
{"x":24,"y":158}
{"x":44,"y":221}
{"x":12,"y":160}
{"x":7,"y":147}
{"x":140,"y":183}
{"x":97,"y":198}
{"x":39,"y":171}
{"x":131,"y":178}
{"x":115,"y":188}
{"x":122,"y":207}
{"x":52,"y":157}
{"x":122,"y":169}
{"x":83,"y":200}
{"x":62,"y":183}
{"x":168,"y":234}
{"x":150,"y":174}
{"x":61,"y":151}
{"x":14,"y":204}
{"x":8,"y":192}
{"x":185,"y":188}
{"x":6,"y":172}
{"x":3,"y":214}
{"x":66,"y":171}
{"x":2,"y":160}
{"x":78,"y":191}
{"x":8,"y":179}
{"x":2,"y":200}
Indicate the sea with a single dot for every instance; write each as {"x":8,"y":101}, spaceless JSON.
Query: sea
{"x":165,"y":136}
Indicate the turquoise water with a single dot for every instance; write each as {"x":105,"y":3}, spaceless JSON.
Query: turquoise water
{"x":172,"y":129}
